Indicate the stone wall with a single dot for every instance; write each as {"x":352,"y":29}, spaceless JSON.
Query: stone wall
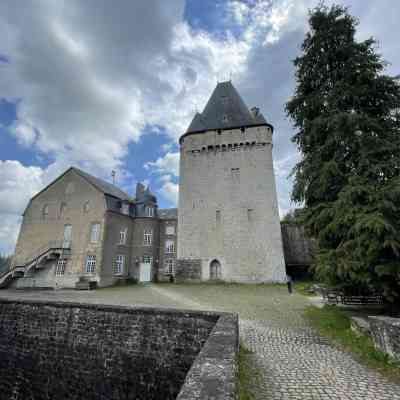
{"x":78,"y":351}
{"x":297,"y":247}
{"x":188,"y":270}
{"x":228,"y":209}
{"x":385,"y":332}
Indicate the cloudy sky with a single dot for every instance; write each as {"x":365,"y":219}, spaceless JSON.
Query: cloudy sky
{"x":112,"y":85}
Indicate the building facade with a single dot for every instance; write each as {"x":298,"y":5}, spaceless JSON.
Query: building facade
{"x":80,"y":228}
{"x":228,"y":223}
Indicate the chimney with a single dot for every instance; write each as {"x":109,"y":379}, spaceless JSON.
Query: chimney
{"x":140,"y":189}
{"x":255,"y":111}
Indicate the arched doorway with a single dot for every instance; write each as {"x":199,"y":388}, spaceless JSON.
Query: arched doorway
{"x":215,"y":270}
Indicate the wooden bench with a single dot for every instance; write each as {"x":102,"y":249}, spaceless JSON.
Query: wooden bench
{"x":362,"y":300}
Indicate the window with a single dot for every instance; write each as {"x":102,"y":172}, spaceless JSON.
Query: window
{"x":122,"y":236}
{"x":119,"y":264}
{"x":86,"y":207}
{"x":225,"y":118}
{"x":125,"y":208}
{"x":67,"y":236}
{"x":235,"y":174}
{"x":250,"y":214}
{"x":90,"y":266}
{"x":63,"y":207}
{"x":148,"y":237}
{"x":170,"y":230}
{"x":95,"y":233}
{"x":45,"y":211}
{"x":150,"y":211}
{"x":218,"y":216}
{"x":70,"y":188}
{"x":169,"y":246}
{"x":169,"y":266}
{"x":147,"y":259}
{"x":60,"y":267}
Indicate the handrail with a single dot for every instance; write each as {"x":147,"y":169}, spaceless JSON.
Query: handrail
{"x":4,"y":273}
{"x":52,"y":244}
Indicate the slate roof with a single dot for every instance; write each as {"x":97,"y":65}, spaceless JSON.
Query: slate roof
{"x":225,"y":110}
{"x":167,"y":213}
{"x":103,"y":186}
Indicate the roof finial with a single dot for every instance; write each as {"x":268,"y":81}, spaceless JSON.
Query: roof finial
{"x":113,"y":173}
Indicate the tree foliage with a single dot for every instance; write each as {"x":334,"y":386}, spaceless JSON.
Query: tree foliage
{"x":5,"y":263}
{"x":346,"y":114}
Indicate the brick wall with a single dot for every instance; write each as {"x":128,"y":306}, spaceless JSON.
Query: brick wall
{"x":76,"y":351}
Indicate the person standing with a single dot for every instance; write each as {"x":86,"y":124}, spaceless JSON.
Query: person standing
{"x":289,"y":282}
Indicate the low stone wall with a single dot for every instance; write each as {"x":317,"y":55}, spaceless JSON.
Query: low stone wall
{"x":385,"y":332}
{"x":80,"y":351}
{"x":188,"y":270}
{"x":214,"y":374}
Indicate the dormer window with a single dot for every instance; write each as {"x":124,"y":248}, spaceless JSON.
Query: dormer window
{"x":125,"y":208}
{"x":225,"y":118}
{"x":149,"y":211}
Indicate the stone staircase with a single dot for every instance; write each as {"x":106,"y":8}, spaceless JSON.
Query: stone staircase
{"x":36,"y":260}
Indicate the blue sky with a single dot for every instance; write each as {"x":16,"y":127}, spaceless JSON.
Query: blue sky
{"x":107,"y":88}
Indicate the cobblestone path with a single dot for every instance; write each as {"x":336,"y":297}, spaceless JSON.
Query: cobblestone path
{"x":293,"y":361}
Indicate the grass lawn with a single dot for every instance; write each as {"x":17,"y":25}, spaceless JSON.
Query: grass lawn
{"x":247,"y":373}
{"x":304,"y":286}
{"x":334,"y":323}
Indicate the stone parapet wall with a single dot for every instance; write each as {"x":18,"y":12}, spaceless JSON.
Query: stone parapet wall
{"x":188,"y":270}
{"x":214,"y":373}
{"x":80,"y":351}
{"x":385,"y":332}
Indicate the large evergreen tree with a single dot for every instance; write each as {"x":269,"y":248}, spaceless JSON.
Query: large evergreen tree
{"x":346,"y":114}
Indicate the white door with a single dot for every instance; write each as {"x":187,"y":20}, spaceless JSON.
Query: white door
{"x":67,"y":236}
{"x":145,"y":272}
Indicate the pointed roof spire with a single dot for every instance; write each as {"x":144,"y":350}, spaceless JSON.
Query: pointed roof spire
{"x":225,"y":110}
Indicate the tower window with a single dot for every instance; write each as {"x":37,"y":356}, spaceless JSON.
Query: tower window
{"x":235,"y":172}
{"x":250,"y":214}
{"x":218,"y":216}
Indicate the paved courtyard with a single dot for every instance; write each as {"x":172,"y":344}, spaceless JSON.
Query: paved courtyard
{"x":294,"y":362}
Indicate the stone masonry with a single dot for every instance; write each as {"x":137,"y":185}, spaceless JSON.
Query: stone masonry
{"x":79,"y":351}
{"x":228,"y":209}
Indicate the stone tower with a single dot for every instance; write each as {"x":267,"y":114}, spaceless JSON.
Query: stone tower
{"x":228,"y":221}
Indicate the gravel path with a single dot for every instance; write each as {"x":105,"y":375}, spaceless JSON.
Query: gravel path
{"x":294,"y":362}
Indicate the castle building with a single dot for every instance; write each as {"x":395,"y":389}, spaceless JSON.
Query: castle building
{"x":81,"y":230}
{"x":228,"y":220}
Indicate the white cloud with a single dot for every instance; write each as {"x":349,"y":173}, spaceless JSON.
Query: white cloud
{"x":9,"y":232}
{"x":169,"y":189}
{"x":86,"y":84}
{"x":168,"y":164}
{"x":18,"y":185}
